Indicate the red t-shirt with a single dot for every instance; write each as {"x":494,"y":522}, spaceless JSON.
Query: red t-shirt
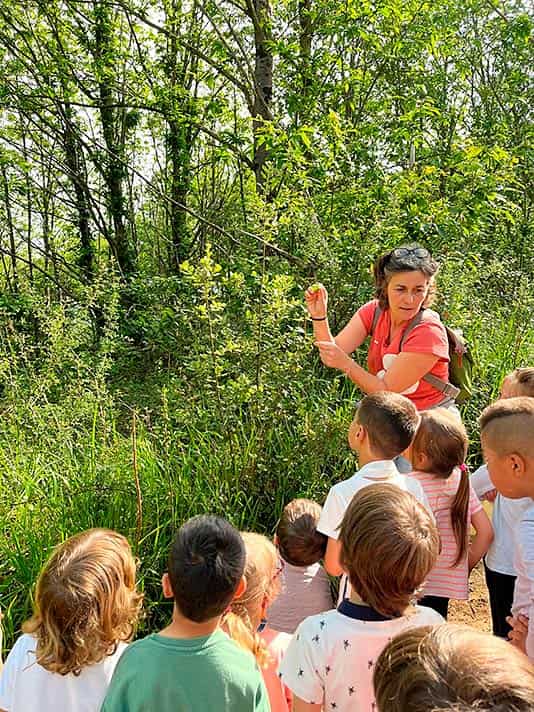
{"x":428,"y":337}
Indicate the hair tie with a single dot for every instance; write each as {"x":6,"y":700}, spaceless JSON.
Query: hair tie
{"x":463,"y":467}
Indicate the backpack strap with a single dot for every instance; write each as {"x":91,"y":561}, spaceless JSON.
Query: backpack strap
{"x":376,"y":317}
{"x":439,"y":384}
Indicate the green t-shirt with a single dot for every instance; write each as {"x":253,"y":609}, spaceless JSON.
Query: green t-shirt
{"x":209,"y":674}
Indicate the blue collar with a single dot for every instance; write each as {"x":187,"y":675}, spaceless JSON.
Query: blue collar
{"x":360,"y":612}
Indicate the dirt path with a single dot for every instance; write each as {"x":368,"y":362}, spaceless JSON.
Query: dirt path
{"x":476,"y":611}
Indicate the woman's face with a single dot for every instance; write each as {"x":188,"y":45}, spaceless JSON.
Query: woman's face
{"x":406,"y":292}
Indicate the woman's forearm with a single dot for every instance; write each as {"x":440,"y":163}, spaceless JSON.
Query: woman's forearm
{"x":321,"y":330}
{"x":365,"y":381}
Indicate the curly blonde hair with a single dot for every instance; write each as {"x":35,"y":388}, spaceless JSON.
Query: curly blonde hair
{"x":85,"y":601}
{"x":263,"y":586}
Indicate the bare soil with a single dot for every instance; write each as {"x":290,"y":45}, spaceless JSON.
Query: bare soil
{"x":476,"y":611}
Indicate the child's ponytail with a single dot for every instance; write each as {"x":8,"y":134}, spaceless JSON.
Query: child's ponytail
{"x":442,"y":439}
{"x":459,"y":510}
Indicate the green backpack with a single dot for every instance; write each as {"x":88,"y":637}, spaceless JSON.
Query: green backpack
{"x":461,"y":365}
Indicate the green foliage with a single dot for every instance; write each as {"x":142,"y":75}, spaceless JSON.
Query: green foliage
{"x":151,"y":294}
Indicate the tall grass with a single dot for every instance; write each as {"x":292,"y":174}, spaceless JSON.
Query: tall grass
{"x":235,"y":429}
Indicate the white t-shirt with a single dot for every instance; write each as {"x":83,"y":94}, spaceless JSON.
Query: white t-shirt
{"x":305,"y":591}
{"x":524,"y":565}
{"x":341,"y":494}
{"x":25,"y":686}
{"x":331,"y":659}
{"x":506,"y":515}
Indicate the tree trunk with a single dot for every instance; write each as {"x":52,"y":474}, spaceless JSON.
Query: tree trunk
{"x":113,"y":137}
{"x":260,"y":13}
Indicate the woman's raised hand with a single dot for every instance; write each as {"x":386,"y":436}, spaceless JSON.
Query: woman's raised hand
{"x":316,"y":300}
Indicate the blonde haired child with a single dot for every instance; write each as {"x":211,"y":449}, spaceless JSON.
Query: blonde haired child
{"x":86,"y":608}
{"x":305,"y":583}
{"x":452,"y":667}
{"x":246,"y":623}
{"x":499,"y":561}
{"x":389,"y":543}
{"x":438,"y":453}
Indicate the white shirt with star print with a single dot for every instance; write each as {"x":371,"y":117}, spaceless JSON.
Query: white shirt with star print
{"x":331,"y":658}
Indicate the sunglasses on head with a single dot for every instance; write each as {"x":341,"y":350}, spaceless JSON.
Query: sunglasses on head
{"x":419,"y":252}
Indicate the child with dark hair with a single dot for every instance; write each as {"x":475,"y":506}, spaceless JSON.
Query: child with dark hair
{"x":452,"y":668}
{"x":305,"y":584}
{"x":389,"y":543}
{"x":191,"y":664}
{"x":383,"y":427}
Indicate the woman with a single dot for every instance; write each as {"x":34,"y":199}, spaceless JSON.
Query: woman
{"x":404,"y":282}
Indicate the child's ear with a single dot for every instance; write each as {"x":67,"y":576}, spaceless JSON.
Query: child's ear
{"x":166,"y":586}
{"x":517,"y":465}
{"x":356,"y":435}
{"x":419,"y":460}
{"x":241,"y":588}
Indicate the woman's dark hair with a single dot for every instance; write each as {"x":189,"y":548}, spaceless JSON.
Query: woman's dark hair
{"x":206,"y":564}
{"x":404,"y":258}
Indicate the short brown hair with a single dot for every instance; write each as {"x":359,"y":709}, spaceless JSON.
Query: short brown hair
{"x":299,"y":542}
{"x":390,"y":420}
{"x":508,"y":426}
{"x":389,"y":544}
{"x":524,"y":381}
{"x":85,"y":601}
{"x":452,"y":667}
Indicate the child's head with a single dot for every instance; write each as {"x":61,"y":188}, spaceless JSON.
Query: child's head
{"x":299,"y":542}
{"x":452,"y":667}
{"x":85,"y":601}
{"x":205,"y":568}
{"x":518,"y":383}
{"x":384,"y":425}
{"x":389,"y":544}
{"x":439,"y":446}
{"x":507,"y":435}
{"x":262,"y":576}
{"x":440,"y":443}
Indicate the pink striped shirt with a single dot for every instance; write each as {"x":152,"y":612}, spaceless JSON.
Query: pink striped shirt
{"x":445,"y":579}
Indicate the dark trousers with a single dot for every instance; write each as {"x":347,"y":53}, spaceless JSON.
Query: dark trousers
{"x":438,"y":603}
{"x":501,"y":595}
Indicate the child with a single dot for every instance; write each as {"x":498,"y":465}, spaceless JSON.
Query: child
{"x":305,"y":584}
{"x":452,"y":667}
{"x":499,"y":561}
{"x":191,"y":664}
{"x":86,"y":606}
{"x":437,"y":453}
{"x":382,"y":429}
{"x":248,"y":626}
{"x":389,"y":543}
{"x":507,"y":435}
